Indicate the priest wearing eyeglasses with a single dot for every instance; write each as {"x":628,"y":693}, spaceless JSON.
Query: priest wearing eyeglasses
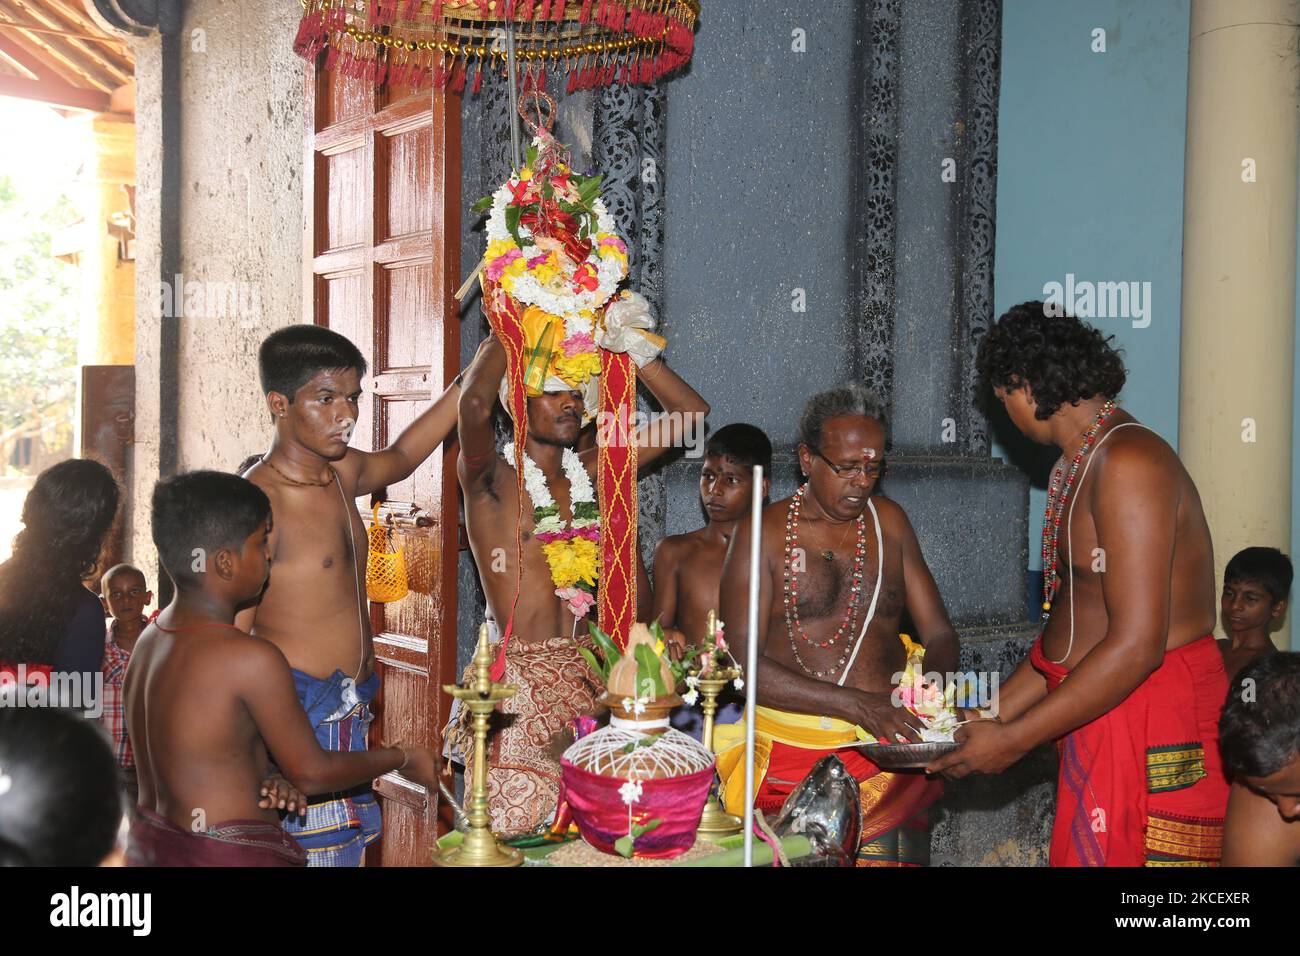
{"x":839,"y":564}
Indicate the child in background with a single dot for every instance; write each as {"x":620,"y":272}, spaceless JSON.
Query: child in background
{"x":125,"y":594}
{"x":688,"y":567}
{"x":1256,"y":586}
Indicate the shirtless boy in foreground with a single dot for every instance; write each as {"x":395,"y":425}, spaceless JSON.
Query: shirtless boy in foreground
{"x":206,"y":702}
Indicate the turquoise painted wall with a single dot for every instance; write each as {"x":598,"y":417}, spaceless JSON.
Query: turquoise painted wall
{"x":1090,"y":182}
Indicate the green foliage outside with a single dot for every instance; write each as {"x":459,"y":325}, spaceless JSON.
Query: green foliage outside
{"x":39,"y":309}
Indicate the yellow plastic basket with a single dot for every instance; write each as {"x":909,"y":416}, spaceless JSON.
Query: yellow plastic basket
{"x":386,"y":565}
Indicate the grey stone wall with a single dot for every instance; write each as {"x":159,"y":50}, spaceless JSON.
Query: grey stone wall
{"x":242,"y":122}
{"x":142,"y":465}
{"x":241,"y":218}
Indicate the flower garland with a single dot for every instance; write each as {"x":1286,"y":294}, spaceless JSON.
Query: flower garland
{"x":572,"y":549}
{"x":552,"y":246}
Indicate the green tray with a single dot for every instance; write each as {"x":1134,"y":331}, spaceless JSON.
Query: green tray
{"x":734,"y":855}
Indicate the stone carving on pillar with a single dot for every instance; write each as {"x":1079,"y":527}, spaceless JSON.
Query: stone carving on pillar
{"x":879,"y":148}
{"x":983,"y":31}
{"x":976,"y":160}
{"x":496,"y":161}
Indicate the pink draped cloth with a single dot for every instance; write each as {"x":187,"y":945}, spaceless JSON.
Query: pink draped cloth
{"x":602,"y":816}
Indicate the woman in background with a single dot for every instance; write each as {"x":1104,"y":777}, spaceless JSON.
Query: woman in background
{"x":48,"y":618}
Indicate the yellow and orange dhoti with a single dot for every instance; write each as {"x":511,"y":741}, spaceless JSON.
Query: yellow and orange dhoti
{"x":895,"y":822}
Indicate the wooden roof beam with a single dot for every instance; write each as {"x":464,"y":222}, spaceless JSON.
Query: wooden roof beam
{"x":57,"y":16}
{"x":36,"y":59}
{"x":17,"y":65}
{"x":75,"y":54}
{"x":54,"y":92}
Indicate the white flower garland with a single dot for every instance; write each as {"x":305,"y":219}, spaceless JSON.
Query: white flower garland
{"x":580,"y":488}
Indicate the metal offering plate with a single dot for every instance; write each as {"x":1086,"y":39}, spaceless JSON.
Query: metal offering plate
{"x":905,"y":756}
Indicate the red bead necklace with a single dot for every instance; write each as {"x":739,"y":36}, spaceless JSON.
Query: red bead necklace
{"x":791,"y":590}
{"x":1058,"y":495}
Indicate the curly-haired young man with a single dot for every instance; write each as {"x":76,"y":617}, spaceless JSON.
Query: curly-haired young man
{"x":1128,"y":615}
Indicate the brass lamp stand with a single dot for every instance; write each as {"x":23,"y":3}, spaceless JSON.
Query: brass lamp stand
{"x":715,"y":823}
{"x":481,"y":695}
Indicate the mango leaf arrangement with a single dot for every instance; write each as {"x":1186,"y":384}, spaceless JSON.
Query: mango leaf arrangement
{"x":647,"y":659}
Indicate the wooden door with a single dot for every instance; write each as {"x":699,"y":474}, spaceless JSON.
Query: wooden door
{"x":382,"y":180}
{"x":107,"y":428}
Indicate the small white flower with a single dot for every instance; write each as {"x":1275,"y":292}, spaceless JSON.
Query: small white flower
{"x":692,"y":682}
{"x":738,"y":684}
{"x":627,"y":703}
{"x":638,"y":707}
{"x":630,"y":792}
{"x":690,"y":697}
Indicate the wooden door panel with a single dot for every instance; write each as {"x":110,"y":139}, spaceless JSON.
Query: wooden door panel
{"x":346,"y":306}
{"x":382,"y":246}
{"x":346,"y":181}
{"x":343,"y":98}
{"x":405,"y":691}
{"x":393,"y":94}
{"x":406,"y":291}
{"x":107,"y":428}
{"x":408,"y":619}
{"x":394,"y":415}
{"x":407,"y":207}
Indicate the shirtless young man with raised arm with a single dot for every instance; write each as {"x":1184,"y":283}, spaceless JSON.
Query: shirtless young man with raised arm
{"x":542,"y":657}
{"x":838,"y":564}
{"x":1131,"y":615}
{"x":314,"y":608}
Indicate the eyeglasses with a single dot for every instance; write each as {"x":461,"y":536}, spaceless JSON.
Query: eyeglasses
{"x":873,"y":470}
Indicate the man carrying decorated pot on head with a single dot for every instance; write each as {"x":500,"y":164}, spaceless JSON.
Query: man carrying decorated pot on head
{"x":553,"y":530}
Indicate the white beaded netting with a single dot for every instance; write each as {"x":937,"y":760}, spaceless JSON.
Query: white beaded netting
{"x":610,"y":752}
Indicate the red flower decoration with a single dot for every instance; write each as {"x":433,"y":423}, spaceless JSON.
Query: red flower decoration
{"x":585,"y":278}
{"x":517,"y":190}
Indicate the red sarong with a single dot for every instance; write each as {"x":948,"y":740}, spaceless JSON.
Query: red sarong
{"x":156,"y":841}
{"x":895,"y":819}
{"x":1143,"y":784}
